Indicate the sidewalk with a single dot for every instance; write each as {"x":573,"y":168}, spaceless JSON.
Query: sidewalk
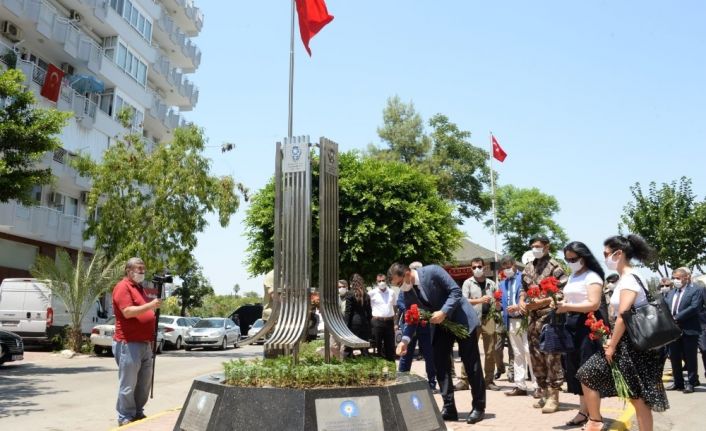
{"x":503,"y":413}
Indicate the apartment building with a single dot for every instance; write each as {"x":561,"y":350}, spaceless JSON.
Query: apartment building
{"x":113,"y":54}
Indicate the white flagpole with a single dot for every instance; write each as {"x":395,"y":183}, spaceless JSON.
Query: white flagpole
{"x":291,"y":78}
{"x":492,"y":188}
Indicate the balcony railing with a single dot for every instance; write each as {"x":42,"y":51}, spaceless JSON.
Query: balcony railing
{"x":179,"y":38}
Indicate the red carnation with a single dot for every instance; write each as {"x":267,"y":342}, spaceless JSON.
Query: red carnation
{"x":498,"y":295}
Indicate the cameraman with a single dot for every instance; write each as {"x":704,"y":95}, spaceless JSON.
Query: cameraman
{"x":135,"y":323}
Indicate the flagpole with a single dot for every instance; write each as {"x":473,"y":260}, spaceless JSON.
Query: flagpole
{"x":291,"y":78}
{"x":492,"y":188}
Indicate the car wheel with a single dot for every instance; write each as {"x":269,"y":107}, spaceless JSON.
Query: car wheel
{"x":160,"y":346}
{"x":223,"y":343}
{"x":235,"y":343}
{"x":187,"y":348}
{"x":98,"y":350}
{"x":177,"y":344}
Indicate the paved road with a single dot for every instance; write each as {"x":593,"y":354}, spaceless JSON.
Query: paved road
{"x":48,"y":392}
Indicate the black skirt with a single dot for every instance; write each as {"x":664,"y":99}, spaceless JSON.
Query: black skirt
{"x":642,"y":372}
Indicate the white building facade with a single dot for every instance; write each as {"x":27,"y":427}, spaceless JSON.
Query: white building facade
{"x":114,"y":54}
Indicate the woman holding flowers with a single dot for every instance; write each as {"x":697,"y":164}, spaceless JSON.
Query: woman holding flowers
{"x":582,"y":295}
{"x":640,"y":371}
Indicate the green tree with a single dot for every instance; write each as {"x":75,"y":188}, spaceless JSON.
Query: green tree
{"x":153,"y":204}
{"x":236,"y":290}
{"x":170,"y":306}
{"x":672,"y":220}
{"x":251,"y":295}
{"x":79,"y":284}
{"x":388,"y":211}
{"x":462,"y":171}
{"x":524,"y":213}
{"x":222,"y":305}
{"x":194,"y":287}
{"x":26,"y":134}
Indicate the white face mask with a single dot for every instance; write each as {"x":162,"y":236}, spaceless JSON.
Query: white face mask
{"x":610,"y":263}
{"x":137,"y":277}
{"x":575,"y":266}
{"x":382,"y":285}
{"x":664,"y":289}
{"x":406,"y":287}
{"x":478,"y":272}
{"x":342,"y":291}
{"x":677,"y":283}
{"x":509,"y":272}
{"x":538,"y":252}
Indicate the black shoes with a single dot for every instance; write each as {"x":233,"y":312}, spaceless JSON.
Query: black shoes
{"x":688,"y":389}
{"x":449,"y":414}
{"x":516,"y":392}
{"x":498,"y":374}
{"x":674,"y":387}
{"x":475,"y":416}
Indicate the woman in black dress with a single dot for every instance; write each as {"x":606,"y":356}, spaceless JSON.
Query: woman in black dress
{"x":642,"y":370}
{"x":358,"y":312}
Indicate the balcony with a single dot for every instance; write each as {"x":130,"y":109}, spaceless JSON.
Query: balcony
{"x":182,"y":51}
{"x":44,"y":224}
{"x":67,"y":177}
{"x":182,"y":92}
{"x":186,"y":14}
{"x":161,"y":116}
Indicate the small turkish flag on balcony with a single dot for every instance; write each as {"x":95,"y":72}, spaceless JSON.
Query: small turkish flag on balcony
{"x":52,"y":83}
{"x":498,"y":151}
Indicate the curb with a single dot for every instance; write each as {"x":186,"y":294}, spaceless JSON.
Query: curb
{"x":147,"y":419}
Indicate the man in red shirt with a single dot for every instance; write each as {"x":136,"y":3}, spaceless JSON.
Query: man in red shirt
{"x":132,"y":342}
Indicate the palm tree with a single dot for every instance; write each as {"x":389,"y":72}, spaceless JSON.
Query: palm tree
{"x":78,"y":284}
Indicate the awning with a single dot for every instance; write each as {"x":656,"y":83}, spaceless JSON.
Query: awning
{"x":86,"y":84}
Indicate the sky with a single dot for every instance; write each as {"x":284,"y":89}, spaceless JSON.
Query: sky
{"x":586,"y":98}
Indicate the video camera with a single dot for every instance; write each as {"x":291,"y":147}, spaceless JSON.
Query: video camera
{"x":161,"y":279}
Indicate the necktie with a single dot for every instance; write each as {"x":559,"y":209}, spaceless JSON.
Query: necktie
{"x":676,"y":302}
{"x":419,"y":296}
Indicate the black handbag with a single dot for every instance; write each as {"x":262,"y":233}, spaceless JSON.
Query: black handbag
{"x":555,"y":338}
{"x":652,"y":325}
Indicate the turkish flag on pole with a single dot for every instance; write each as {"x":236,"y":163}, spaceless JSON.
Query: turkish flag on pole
{"x":313,"y":16}
{"x":498,"y":152}
{"x":52,"y":83}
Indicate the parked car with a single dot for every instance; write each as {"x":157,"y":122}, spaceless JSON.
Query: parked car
{"x":11,"y":347}
{"x":102,"y":338}
{"x":213,"y":332}
{"x":255,"y":328}
{"x":175,"y":330}
{"x":31,"y":310}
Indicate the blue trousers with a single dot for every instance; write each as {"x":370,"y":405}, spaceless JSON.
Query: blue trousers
{"x":423,"y":337}
{"x":134,"y":361}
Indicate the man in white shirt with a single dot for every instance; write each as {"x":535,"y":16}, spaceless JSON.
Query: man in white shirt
{"x":383,"y":302}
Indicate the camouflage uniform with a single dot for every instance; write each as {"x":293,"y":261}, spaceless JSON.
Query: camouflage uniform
{"x":546,"y":367}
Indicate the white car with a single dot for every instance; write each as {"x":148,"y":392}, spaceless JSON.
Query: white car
{"x":102,"y":338}
{"x":175,"y":329}
{"x":213,"y":332}
{"x":255,"y":328}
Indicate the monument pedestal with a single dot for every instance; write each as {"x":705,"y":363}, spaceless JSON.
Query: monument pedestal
{"x":404,"y":405}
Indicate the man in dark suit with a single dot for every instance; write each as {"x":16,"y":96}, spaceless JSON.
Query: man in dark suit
{"x":433,"y":289}
{"x":685,"y":301}
{"x":701,"y":287}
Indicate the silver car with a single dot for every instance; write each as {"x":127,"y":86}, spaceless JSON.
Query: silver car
{"x":213,"y":332}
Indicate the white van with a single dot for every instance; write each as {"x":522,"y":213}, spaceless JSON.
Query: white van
{"x":30,"y":309}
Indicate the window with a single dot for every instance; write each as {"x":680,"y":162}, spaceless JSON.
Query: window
{"x":71,"y":207}
{"x":137,"y":115}
{"x":134,"y":16}
{"x":131,"y":63}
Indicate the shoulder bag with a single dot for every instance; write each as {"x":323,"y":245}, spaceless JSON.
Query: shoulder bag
{"x":652,"y":325}
{"x":555,"y":338}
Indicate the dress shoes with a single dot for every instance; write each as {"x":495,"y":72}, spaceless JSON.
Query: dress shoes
{"x":516,"y":392}
{"x":492,"y":387}
{"x":449,"y":414}
{"x":688,"y":389}
{"x":475,"y":416}
{"x":497,"y":375}
{"x":674,"y":387}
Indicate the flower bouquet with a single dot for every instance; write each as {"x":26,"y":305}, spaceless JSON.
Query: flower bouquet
{"x":415,"y":316}
{"x":601,"y":332}
{"x":496,"y":307}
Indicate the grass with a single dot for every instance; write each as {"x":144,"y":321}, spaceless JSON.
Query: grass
{"x":311,"y":371}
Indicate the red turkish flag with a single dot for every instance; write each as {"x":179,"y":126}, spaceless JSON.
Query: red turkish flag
{"x":52,"y":83}
{"x":498,"y":151}
{"x":313,"y":16}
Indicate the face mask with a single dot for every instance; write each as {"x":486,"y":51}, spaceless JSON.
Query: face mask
{"x":664,"y":289}
{"x":406,"y":287}
{"x":342,"y":291}
{"x":677,"y":283}
{"x":610,"y":286}
{"x":509,"y":272}
{"x":478,"y":272}
{"x":538,"y":252}
{"x":610,"y":263}
{"x":138,"y":278}
{"x":575,"y":266}
{"x":382,"y":285}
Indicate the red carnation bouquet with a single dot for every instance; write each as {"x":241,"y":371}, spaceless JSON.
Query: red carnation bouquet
{"x":550,"y":288}
{"x":601,"y":332}
{"x":415,"y":316}
{"x":496,"y":307}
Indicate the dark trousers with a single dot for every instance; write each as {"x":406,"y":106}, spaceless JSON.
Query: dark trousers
{"x":442,"y":344}
{"x":702,"y":347}
{"x":384,"y":338}
{"x":685,"y":348}
{"x":423,"y":337}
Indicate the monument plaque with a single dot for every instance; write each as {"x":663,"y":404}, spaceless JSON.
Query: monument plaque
{"x":198,"y":411}
{"x":349,"y":414}
{"x":418,"y":411}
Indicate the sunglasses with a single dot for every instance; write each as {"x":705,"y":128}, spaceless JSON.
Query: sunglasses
{"x":476,"y":267}
{"x":664,"y":285}
{"x":572,"y":260}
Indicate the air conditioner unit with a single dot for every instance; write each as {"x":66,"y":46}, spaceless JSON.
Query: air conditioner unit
{"x":11,"y":31}
{"x":67,"y":68}
{"x":75,"y":16}
{"x":56,"y":199}
{"x":84,"y":197}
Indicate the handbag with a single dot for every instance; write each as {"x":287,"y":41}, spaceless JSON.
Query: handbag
{"x":652,"y":325}
{"x":555,"y":338}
